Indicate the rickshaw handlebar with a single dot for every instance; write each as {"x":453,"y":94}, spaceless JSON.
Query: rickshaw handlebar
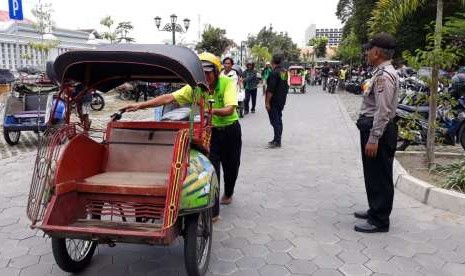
{"x":118,"y":115}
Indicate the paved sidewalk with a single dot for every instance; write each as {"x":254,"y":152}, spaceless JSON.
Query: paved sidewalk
{"x":292,"y":212}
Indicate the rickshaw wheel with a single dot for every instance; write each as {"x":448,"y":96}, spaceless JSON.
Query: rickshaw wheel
{"x":73,"y":255}
{"x":11,"y":136}
{"x":197,"y":242}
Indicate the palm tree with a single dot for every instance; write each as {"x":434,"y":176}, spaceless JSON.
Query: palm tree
{"x":388,"y":16}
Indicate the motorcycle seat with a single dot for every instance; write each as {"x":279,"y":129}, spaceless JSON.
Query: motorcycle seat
{"x":409,"y":108}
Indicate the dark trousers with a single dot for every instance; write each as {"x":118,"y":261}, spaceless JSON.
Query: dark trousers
{"x":225,"y":151}
{"x":250,"y":93}
{"x":378,"y":175}
{"x":275,"y":114}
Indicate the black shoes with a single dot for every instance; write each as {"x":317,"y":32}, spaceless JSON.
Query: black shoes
{"x":253,"y":110}
{"x":361,"y":214}
{"x":367,"y":227}
{"x":274,"y":145}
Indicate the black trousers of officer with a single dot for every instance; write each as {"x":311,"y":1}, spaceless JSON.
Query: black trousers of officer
{"x":378,"y":175}
{"x":225,"y":151}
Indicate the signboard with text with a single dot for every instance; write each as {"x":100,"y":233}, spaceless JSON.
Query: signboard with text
{"x":16,"y":9}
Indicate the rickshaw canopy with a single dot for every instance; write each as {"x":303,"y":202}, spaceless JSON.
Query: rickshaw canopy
{"x":111,"y":65}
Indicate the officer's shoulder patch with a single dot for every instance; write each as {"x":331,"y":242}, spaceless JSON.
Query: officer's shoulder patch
{"x":379,"y":86}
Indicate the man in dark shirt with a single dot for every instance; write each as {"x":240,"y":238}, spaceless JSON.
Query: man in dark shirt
{"x":276,"y":93}
{"x":325,"y":74}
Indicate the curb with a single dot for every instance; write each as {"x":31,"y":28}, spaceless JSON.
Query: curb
{"x":417,"y":189}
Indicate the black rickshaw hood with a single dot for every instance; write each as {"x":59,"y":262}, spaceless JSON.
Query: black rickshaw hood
{"x":111,"y":65}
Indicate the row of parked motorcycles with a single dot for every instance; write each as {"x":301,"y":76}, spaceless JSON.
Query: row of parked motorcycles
{"x":413,"y":111}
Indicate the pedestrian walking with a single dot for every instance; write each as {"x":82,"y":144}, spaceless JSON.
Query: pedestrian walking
{"x":325,"y":74}
{"x":250,"y":81}
{"x":226,"y":141}
{"x":378,"y":134}
{"x":276,"y":93}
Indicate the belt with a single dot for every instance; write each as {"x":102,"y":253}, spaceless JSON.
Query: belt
{"x":222,"y":128}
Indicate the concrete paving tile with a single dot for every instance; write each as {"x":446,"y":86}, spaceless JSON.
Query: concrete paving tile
{"x":382,"y":267}
{"x":304,"y":253}
{"x":301,"y":266}
{"x":246,"y":272}
{"x":274,"y":270}
{"x":23,"y":261}
{"x":404,"y":264}
{"x":327,"y":272}
{"x":352,"y":257}
{"x":351,"y":245}
{"x":280,"y":246}
{"x":401,"y":251}
{"x":13,"y":252}
{"x":9,"y":271}
{"x":354,"y":270}
{"x":228,"y":254}
{"x":37,"y":270}
{"x":235,"y":242}
{"x":258,"y":239}
{"x":451,"y":256}
{"x":250,"y":263}
{"x":255,"y":251}
{"x":327,"y":261}
{"x":454,"y":268}
{"x":278,"y":258}
{"x":222,"y":268}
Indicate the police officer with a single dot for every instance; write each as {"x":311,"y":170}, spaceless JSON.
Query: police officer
{"x":378,"y":134}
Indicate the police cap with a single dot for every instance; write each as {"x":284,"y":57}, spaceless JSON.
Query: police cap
{"x":382,"y":40}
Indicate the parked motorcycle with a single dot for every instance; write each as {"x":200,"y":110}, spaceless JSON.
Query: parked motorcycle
{"x":413,"y":125}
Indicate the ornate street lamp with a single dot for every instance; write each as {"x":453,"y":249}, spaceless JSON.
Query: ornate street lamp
{"x":172,"y":27}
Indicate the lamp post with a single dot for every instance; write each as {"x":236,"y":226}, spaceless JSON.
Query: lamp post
{"x":172,"y":27}
{"x":242,"y":48}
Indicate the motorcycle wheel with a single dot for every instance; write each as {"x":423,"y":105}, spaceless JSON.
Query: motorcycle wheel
{"x":73,"y":255}
{"x":11,"y":136}
{"x":197,"y":242}
{"x":462,"y":135}
{"x":98,"y":102}
{"x":125,"y":95}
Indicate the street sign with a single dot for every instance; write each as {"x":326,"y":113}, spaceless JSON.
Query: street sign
{"x":16,"y":9}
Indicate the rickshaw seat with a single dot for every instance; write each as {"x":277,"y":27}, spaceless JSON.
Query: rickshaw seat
{"x":138,"y":183}
{"x":296,"y":80}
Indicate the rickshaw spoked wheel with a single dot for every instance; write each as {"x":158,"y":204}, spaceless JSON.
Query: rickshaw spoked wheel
{"x":73,"y":255}
{"x":11,"y":136}
{"x":198,"y":242}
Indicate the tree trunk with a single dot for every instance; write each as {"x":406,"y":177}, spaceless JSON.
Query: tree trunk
{"x":434,"y":89}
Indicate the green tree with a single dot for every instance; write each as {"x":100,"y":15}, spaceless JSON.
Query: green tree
{"x":44,"y":25}
{"x":110,"y":33}
{"x":214,"y":40}
{"x":319,"y":44}
{"x":260,"y":54}
{"x":277,"y":43}
{"x":354,"y":14}
{"x":388,"y":16}
{"x":349,"y":50}
{"x":122,"y":32}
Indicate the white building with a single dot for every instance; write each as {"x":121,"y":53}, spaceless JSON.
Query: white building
{"x":15,"y":38}
{"x":310,"y":33}
{"x":334,"y":35}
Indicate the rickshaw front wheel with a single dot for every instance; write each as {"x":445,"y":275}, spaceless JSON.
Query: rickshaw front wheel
{"x":73,"y":255}
{"x":198,"y":242}
{"x":11,"y":136}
